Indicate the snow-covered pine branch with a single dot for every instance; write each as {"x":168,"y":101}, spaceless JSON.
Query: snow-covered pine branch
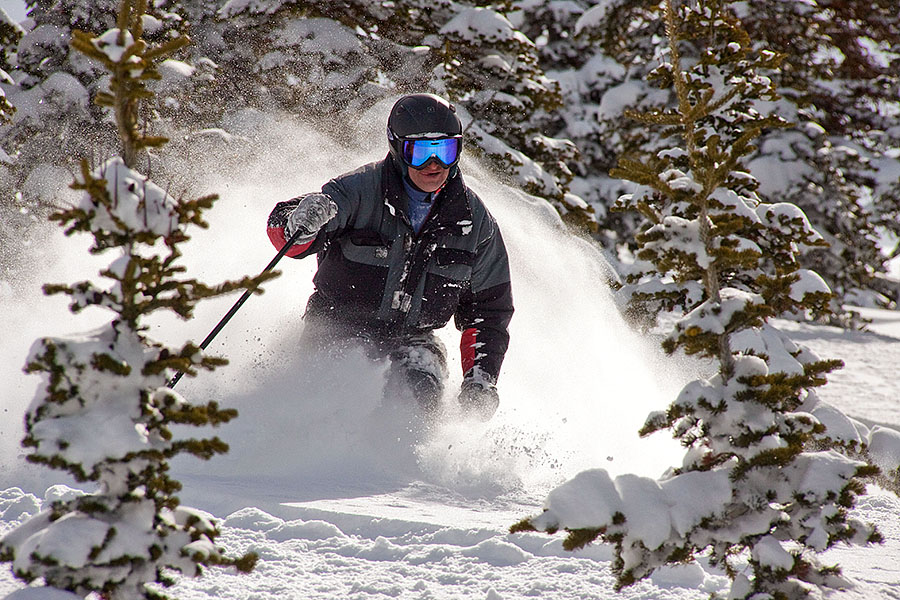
{"x":10,"y":33}
{"x":836,"y":160}
{"x":492,"y":69}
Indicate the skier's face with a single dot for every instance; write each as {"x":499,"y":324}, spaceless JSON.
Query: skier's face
{"x":430,"y":177}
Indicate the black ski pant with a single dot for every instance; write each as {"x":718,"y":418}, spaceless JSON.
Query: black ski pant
{"x":417,"y":362}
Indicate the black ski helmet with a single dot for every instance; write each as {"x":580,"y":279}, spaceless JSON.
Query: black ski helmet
{"x":417,"y":115}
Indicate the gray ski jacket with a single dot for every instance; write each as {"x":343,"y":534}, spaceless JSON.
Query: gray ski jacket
{"x":378,"y":277}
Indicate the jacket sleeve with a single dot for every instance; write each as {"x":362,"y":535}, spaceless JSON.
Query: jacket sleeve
{"x":486,"y":307}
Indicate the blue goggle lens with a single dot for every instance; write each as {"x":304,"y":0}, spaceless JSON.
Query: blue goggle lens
{"x":418,"y":152}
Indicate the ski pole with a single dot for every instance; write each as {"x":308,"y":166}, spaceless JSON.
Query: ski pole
{"x":239,"y":303}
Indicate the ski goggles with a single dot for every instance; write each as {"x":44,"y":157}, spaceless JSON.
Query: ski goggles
{"x":416,"y":153}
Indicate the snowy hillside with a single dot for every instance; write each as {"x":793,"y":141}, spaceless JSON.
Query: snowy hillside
{"x":345,"y":496}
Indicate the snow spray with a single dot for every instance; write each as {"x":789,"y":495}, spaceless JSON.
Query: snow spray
{"x":575,"y":388}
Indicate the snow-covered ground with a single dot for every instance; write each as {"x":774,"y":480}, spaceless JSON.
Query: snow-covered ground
{"x":344,"y":495}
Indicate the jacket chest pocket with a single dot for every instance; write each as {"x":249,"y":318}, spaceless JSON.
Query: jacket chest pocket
{"x":452,"y":263}
{"x":366,"y":248}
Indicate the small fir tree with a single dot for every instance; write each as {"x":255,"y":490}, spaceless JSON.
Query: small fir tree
{"x":104,"y":412}
{"x":763,"y":488}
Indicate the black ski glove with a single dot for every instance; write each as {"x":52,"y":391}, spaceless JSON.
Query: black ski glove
{"x":478,"y":398}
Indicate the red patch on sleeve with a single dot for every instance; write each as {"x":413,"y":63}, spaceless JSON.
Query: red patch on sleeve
{"x":467,"y":349}
{"x":276,"y":236}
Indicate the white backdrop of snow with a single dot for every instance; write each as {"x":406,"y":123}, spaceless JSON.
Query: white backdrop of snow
{"x":345,"y":496}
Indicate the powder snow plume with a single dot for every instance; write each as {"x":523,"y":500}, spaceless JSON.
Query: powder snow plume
{"x":576,"y":385}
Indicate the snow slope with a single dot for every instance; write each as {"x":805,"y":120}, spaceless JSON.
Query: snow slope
{"x":346,"y":495}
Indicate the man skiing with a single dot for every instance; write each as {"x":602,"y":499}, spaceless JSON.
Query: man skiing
{"x":402,"y":246}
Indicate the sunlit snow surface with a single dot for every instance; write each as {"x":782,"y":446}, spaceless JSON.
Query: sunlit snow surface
{"x":345,"y":494}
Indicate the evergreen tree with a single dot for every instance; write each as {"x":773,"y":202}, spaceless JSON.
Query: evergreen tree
{"x":763,"y":487}
{"x":104,"y":412}
{"x":842,"y":74}
{"x":493,"y":71}
{"x":839,"y":87}
{"x":55,"y":123}
{"x":331,"y":61}
{"x":601,"y":53}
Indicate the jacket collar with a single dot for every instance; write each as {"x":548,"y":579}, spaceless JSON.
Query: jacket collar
{"x":452,"y":204}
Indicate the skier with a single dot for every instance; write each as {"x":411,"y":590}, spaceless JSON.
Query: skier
{"x":402,"y":246}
